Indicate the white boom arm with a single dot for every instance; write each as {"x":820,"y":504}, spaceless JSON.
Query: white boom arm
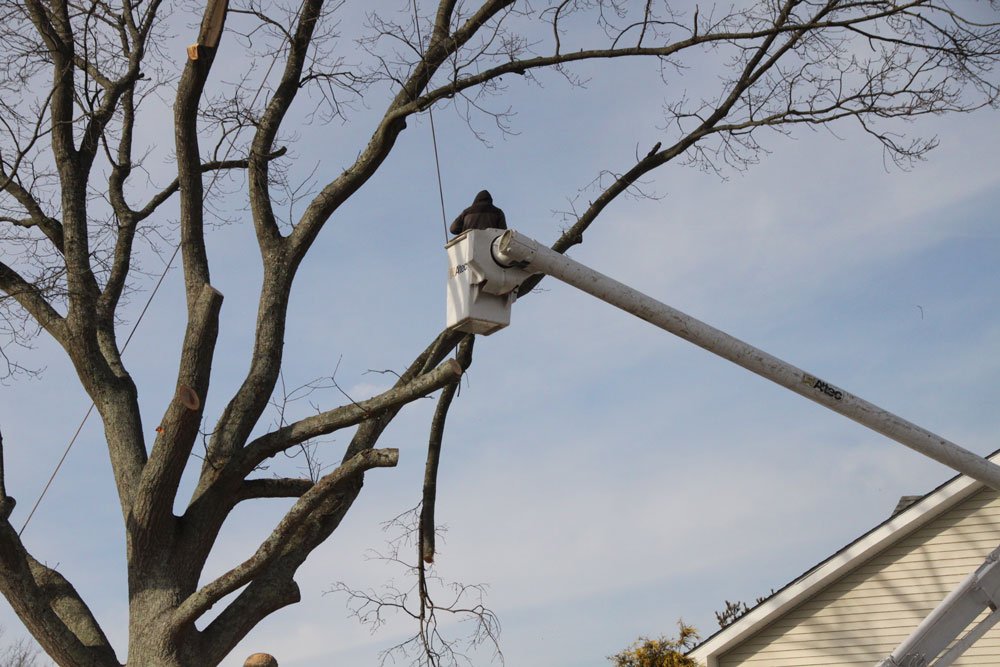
{"x":512,"y":249}
{"x":514,"y":253}
{"x":979,"y":591}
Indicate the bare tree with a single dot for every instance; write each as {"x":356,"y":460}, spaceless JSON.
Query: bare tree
{"x":427,"y":599}
{"x":21,"y":653}
{"x":75,"y":211}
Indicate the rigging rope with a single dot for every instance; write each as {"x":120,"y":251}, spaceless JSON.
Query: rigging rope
{"x":434,"y":141}
{"x":437,"y":164}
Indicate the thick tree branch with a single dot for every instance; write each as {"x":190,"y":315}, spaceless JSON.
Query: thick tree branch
{"x":179,"y":427}
{"x":369,"y":431}
{"x":121,"y":261}
{"x":203,"y":600}
{"x":189,"y":90}
{"x":53,"y":38}
{"x":350,"y":181}
{"x":47,"y":604}
{"x":283,"y":487}
{"x":32,"y":300}
{"x":270,"y":122}
{"x":220,"y":472}
{"x":50,"y":607}
{"x":426,"y":527}
{"x":384,"y":138}
{"x":348,"y":415}
{"x":442,"y":20}
{"x":273,"y":587}
{"x":245,"y":408}
{"x":56,"y":30}
{"x":267,"y":591}
{"x":213,"y":499}
{"x":260,"y":599}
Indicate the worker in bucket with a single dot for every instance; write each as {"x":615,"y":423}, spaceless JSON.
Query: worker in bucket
{"x":481,"y":215}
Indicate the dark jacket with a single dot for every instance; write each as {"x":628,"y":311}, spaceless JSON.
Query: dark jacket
{"x":481,"y":215}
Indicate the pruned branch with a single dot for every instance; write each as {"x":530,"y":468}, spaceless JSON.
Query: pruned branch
{"x":426,"y":531}
{"x":50,"y":607}
{"x":245,"y":408}
{"x":283,"y":487}
{"x":348,"y":415}
{"x":200,"y":602}
{"x":189,"y":170}
{"x":261,"y":598}
{"x":179,"y":426}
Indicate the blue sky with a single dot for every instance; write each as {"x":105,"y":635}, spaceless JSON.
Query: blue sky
{"x":603,"y":477}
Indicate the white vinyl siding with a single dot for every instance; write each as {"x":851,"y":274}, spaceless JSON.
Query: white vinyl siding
{"x":860,"y":618}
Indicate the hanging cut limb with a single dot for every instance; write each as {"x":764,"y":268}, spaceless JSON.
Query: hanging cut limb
{"x":426,"y":528}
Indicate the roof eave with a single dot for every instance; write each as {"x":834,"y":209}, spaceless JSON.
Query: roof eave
{"x":879,"y":538}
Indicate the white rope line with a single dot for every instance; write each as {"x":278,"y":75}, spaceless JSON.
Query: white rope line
{"x":430,"y":113}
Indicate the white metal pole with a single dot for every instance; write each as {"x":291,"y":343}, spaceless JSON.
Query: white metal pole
{"x":965,"y":643}
{"x":513,"y":248}
{"x":962,"y":606}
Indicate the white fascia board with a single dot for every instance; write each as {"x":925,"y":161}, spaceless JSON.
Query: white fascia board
{"x":848,"y":558}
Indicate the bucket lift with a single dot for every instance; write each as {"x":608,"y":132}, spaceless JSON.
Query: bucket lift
{"x":485,"y":268}
{"x":480,"y":291}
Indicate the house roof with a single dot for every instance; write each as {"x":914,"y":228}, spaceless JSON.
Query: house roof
{"x":900,"y":524}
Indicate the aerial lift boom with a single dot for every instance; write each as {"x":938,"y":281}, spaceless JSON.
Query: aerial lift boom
{"x":486,"y":267}
{"x":977,"y":592}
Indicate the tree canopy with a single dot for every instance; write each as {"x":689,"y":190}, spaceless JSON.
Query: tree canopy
{"x":662,"y":652}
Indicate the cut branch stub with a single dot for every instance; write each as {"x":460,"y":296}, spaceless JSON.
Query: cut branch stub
{"x":215,"y":19}
{"x":211,"y":28}
{"x":188,"y":397}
